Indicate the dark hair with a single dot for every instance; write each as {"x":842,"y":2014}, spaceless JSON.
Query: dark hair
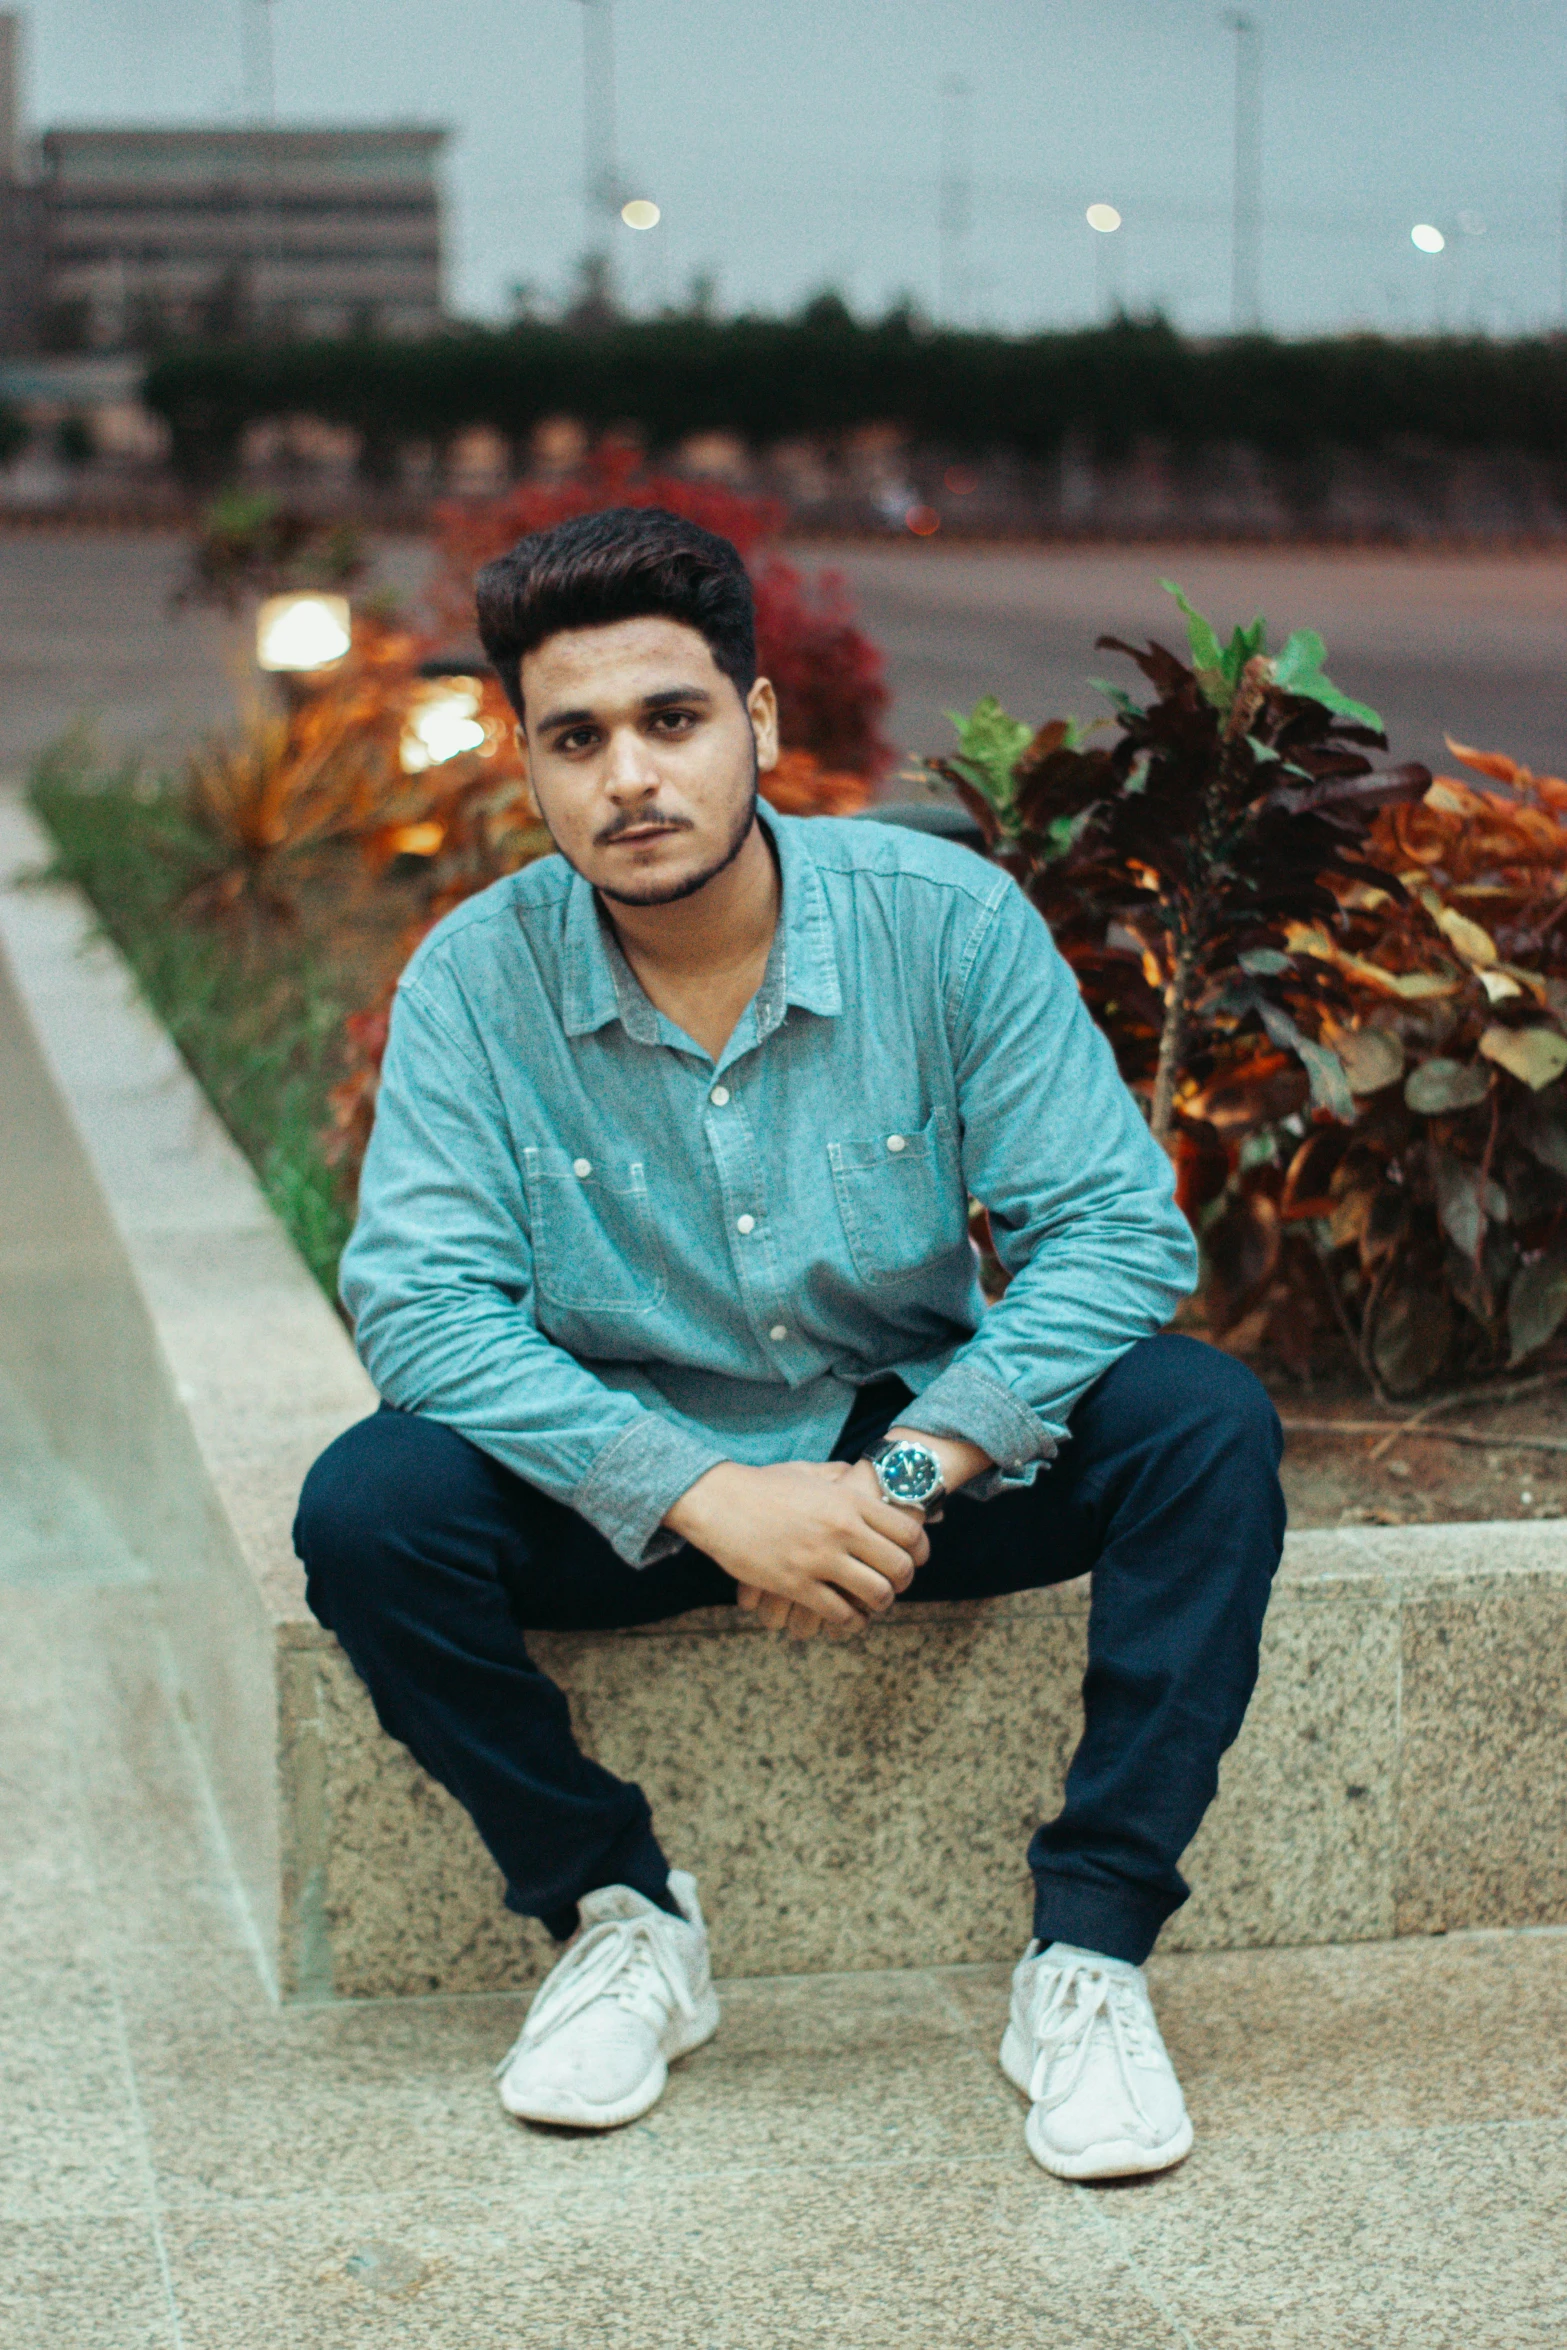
{"x":622,"y":564}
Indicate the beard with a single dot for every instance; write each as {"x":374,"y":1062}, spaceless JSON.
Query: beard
{"x":669,"y":893}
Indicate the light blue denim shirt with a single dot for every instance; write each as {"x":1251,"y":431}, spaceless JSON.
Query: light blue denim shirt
{"x":611,"y":1262}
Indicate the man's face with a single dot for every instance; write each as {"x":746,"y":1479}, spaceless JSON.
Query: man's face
{"x":643,"y":756}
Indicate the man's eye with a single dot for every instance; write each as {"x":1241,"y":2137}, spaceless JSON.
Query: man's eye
{"x":578,"y":739}
{"x":675,"y":721}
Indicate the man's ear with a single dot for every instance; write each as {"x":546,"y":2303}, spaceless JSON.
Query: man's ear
{"x":761,"y":705}
{"x":519,"y":735}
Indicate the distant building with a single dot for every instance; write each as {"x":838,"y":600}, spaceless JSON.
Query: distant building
{"x":21,"y":239}
{"x":239,"y":232}
{"x":112,"y":239}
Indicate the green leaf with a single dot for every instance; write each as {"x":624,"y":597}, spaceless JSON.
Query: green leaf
{"x":1324,"y":1070}
{"x":1542,"y":1129}
{"x":1265,"y":962}
{"x":1536,"y":1304}
{"x":1439,"y":1086}
{"x":1113,"y":693}
{"x":1206,"y":650}
{"x":1244,"y":646}
{"x":1297,"y":667}
{"x":1463,"y":1209}
{"x":1372,"y":1058}
{"x":1536,"y":1055}
{"x":1413,"y":1333}
{"x":990,"y":744}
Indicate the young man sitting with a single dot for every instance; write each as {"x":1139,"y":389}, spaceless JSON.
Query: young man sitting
{"x":663,"y":1271}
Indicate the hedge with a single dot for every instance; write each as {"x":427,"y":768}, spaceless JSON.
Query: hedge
{"x":824,"y":374}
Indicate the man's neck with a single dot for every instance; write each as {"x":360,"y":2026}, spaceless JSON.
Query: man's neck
{"x":701,"y":959}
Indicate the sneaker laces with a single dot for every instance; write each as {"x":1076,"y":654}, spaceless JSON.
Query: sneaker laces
{"x":633,"y":1961}
{"x":1082,"y":2001}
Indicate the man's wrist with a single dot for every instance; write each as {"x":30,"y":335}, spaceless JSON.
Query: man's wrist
{"x":959,"y":1461}
{"x":691,"y":1512}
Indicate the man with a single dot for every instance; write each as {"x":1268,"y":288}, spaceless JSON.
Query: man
{"x":662,"y":1269}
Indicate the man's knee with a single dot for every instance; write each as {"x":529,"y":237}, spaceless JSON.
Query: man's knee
{"x":384,"y":1477}
{"x":1179,"y":1386}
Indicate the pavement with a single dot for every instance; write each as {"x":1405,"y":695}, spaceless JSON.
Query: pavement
{"x":1381,"y":2155}
{"x":1473,"y":645}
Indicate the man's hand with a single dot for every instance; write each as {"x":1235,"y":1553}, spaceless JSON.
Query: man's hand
{"x":812,"y":1544}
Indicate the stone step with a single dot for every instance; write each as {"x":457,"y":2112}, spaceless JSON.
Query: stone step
{"x":1403,"y":1768}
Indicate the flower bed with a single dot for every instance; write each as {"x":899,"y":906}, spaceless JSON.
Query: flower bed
{"x":1339,"y":985}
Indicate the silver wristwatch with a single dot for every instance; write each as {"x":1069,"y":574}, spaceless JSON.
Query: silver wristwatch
{"x":909,"y":1475}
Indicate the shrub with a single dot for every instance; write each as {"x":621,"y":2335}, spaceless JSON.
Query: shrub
{"x":1365,"y":1101}
{"x":831,"y":691}
{"x":825,"y":374}
{"x":251,"y":544}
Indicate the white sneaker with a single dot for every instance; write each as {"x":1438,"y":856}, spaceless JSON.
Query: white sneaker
{"x":1083,"y":2046}
{"x":632,"y":1991}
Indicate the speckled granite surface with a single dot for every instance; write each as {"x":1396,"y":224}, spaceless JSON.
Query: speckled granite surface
{"x":1380,"y":2159}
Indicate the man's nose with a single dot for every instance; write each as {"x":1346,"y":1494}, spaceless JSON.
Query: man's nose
{"x":630,"y":770}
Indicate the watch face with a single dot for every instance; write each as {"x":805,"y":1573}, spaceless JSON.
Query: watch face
{"x":909,"y":1472}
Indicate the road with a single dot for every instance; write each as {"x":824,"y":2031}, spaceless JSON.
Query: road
{"x":1472,"y":646}
{"x":1475,"y":646}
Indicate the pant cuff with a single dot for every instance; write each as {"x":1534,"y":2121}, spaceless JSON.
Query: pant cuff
{"x":1116,"y":1920}
{"x":635,"y":1858}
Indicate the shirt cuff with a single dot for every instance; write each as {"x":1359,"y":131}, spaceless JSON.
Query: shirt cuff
{"x":966,"y":1402}
{"x":635,"y":1480}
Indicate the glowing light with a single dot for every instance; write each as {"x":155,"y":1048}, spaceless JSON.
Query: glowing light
{"x":1103,"y":217}
{"x":961,"y":480}
{"x":1429,"y":239}
{"x":443,"y":725}
{"x":302,"y":632}
{"x":639,"y":213}
{"x":924,"y":521}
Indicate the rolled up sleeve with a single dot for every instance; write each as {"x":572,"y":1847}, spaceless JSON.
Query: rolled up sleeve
{"x":438,"y":1282}
{"x":1080,"y":1198}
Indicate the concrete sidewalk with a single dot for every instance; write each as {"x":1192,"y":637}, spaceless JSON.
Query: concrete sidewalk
{"x":1382,"y":2129}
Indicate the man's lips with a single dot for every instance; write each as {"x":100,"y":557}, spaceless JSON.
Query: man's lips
{"x":632,"y":835}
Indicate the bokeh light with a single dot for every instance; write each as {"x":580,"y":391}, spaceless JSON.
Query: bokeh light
{"x":302,"y":632}
{"x":639,"y":213}
{"x":961,"y":480}
{"x":443,"y":724}
{"x":924,"y":521}
{"x":1103,"y":217}
{"x":1429,"y":239}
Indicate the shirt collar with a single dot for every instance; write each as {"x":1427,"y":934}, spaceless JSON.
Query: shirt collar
{"x":802,"y":967}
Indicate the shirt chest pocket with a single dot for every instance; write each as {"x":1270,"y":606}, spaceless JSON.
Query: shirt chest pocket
{"x":901,"y":1198}
{"x":595,"y":1249}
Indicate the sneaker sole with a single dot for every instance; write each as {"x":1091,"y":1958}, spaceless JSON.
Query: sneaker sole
{"x":575,"y":2113}
{"x":1112,"y":2158}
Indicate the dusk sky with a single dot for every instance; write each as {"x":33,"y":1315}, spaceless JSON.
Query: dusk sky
{"x":795,"y":144}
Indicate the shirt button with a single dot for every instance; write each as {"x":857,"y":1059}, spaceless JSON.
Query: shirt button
{"x":719,"y":1096}
{"x":582,"y":1166}
{"x":745,"y":1223}
{"x":897,"y":1142}
{"x":779,"y":1331}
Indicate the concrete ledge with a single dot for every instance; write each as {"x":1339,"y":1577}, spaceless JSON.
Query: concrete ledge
{"x":1403,"y":1769}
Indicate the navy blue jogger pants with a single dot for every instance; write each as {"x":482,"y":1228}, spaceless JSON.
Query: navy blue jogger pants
{"x":431,"y":1563}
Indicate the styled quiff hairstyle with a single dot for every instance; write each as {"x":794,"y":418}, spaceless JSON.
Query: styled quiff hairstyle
{"x":627,"y":563}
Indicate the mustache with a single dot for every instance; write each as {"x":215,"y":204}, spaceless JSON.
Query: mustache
{"x":650,"y":820}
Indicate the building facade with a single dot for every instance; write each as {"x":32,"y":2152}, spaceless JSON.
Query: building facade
{"x":145,"y":233}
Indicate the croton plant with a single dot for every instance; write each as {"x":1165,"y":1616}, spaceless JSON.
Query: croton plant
{"x":1340,"y":988}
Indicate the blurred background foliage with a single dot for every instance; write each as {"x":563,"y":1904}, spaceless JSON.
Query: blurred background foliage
{"x":826,"y":373}
{"x":1338,"y":985}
